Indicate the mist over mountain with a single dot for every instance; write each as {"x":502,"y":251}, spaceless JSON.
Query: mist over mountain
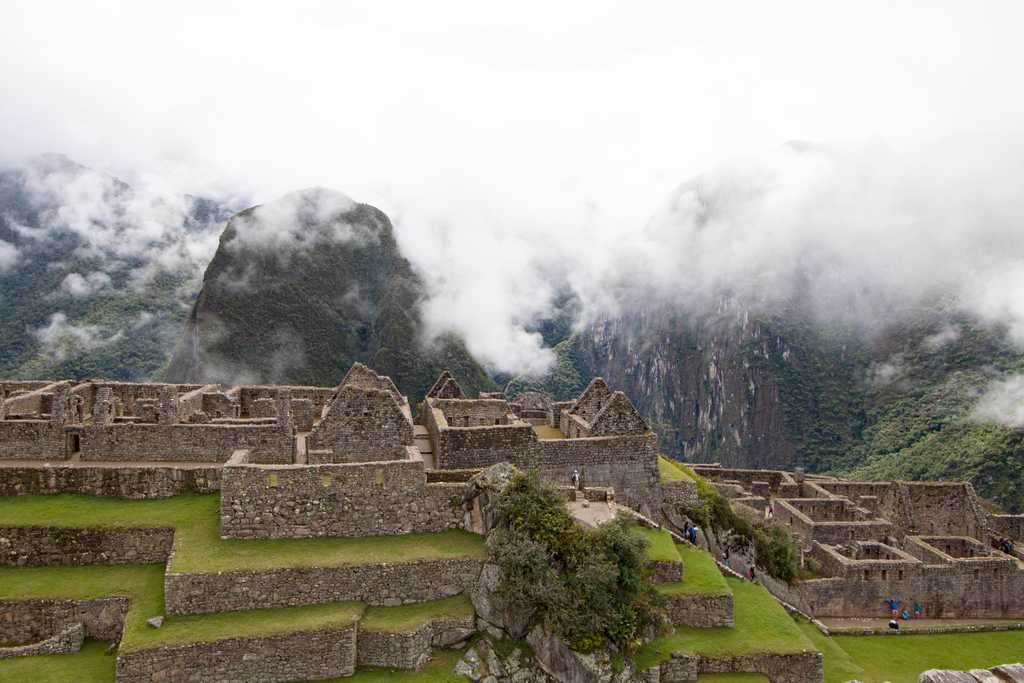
{"x":96,"y":276}
{"x":303,"y":287}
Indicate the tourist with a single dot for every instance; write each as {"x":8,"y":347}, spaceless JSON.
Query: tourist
{"x":894,"y":625}
{"x":725,"y":558}
{"x":894,"y":606}
{"x":918,"y":610}
{"x":751,"y":574}
{"x":576,"y":479}
{"x":905,"y":615}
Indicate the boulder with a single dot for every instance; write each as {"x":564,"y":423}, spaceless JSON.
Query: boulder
{"x":565,"y":665}
{"x":1010,"y":672}
{"x":470,"y":665}
{"x":493,"y":610}
{"x":155,"y":622}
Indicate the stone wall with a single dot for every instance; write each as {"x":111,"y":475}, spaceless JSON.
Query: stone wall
{"x":681,"y":494}
{"x":383,"y":584}
{"x":593,"y":398}
{"x":1011,"y":526}
{"x":360,"y":425}
{"x":130,"y":481}
{"x":618,"y":417}
{"x":797,"y":667}
{"x":31,"y":400}
{"x":67,"y":641}
{"x":355,"y":499}
{"x":308,"y":655}
{"x":410,"y":649}
{"x":185,"y":442}
{"x":478,"y":412}
{"x":29,"y":621}
{"x":46,"y":546}
{"x":31,"y":440}
{"x":699,"y":610}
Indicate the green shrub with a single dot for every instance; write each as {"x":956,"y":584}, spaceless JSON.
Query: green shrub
{"x":590,"y":587}
{"x":774,"y":548}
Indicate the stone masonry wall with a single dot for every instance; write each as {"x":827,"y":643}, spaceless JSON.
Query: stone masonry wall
{"x":701,"y":611}
{"x":184,"y":443}
{"x":409,"y":649}
{"x":29,"y":621}
{"x":67,"y":641}
{"x":360,"y":425}
{"x":309,"y":655}
{"x":31,"y":440}
{"x":47,"y":546}
{"x":358,"y":499}
{"x":120,"y":482}
{"x":382,"y":584}
{"x":798,"y":667}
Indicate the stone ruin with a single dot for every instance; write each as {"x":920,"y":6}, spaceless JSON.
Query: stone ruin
{"x":358,"y":460}
{"x":927,"y":543}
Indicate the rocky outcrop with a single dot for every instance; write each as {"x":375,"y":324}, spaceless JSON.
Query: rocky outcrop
{"x":1005,"y":673}
{"x":493,"y":610}
{"x":565,"y":665}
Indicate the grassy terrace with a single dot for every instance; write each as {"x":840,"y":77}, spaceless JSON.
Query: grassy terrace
{"x":90,"y":665}
{"x":700,"y":575}
{"x":660,"y":547}
{"x":670,"y":470}
{"x":902,"y":658}
{"x":408,"y":617}
{"x":199,"y":548}
{"x":761,"y":626}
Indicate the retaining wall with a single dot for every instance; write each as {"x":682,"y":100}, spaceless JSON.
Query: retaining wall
{"x":382,"y":584}
{"x":130,"y":481}
{"x":309,"y":655}
{"x":30,"y":621}
{"x":48,"y":546}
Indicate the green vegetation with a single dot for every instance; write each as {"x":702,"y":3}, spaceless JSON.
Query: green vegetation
{"x":901,"y":659}
{"x":205,"y":628}
{"x":408,"y":617}
{"x":90,"y":665}
{"x":199,"y":548}
{"x":762,"y":625}
{"x":143,"y":585}
{"x":700,"y":575}
{"x":774,"y":547}
{"x":660,"y":546}
{"x":670,"y":470}
{"x":319,"y":304}
{"x":587,"y":586}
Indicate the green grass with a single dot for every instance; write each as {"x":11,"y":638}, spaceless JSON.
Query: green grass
{"x":902,"y":658}
{"x":90,"y":665}
{"x":142,"y":584}
{"x":839,"y":666}
{"x":206,"y":628}
{"x":671,"y":470}
{"x":762,"y":625}
{"x":660,"y":546}
{"x":199,"y":548}
{"x":700,"y":575}
{"x":408,"y":617}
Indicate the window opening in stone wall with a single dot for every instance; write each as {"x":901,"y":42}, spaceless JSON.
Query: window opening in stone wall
{"x":75,"y":443}
{"x":884,"y":573}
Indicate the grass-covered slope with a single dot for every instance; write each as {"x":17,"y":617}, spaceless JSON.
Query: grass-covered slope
{"x":301,"y":288}
{"x":199,"y":548}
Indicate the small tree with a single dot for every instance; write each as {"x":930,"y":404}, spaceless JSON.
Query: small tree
{"x":587,"y":586}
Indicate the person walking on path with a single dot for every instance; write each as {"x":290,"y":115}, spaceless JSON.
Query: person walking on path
{"x":576,"y":479}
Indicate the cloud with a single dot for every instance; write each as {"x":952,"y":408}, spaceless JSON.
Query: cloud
{"x":299,"y":220}
{"x":523,"y":150}
{"x":1002,"y":403}
{"x":947,"y":335}
{"x":8,"y":256}
{"x":79,"y":286}
{"x":61,"y":339}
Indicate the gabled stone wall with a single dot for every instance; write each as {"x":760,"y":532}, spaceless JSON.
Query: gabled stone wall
{"x":360,"y":425}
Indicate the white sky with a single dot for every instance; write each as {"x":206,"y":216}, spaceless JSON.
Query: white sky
{"x":481,"y":125}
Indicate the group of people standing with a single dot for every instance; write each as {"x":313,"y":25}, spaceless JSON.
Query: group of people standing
{"x":897,"y":613}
